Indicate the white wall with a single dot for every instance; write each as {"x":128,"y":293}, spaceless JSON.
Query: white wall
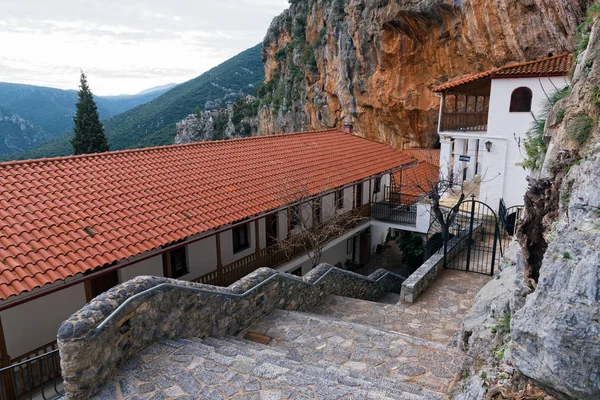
{"x":35,"y":323}
{"x":152,"y":266}
{"x":505,"y":176}
{"x":227,"y":255}
{"x":201,"y":257}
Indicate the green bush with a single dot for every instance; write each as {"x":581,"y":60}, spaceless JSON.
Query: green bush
{"x":560,"y":115}
{"x":585,"y":28}
{"x":579,"y":129}
{"x":413,"y":249}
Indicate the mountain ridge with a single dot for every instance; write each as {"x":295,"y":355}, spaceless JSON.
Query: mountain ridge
{"x":153,"y":123}
{"x":44,"y":113}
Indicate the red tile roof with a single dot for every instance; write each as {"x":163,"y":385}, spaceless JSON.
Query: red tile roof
{"x":427,"y":155}
{"x":551,"y":66}
{"x":418,"y":180}
{"x":64,"y":216}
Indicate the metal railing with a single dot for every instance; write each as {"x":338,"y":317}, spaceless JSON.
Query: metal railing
{"x":38,"y":377}
{"x":272,"y":257}
{"x":398,"y":213}
{"x":464,"y":121}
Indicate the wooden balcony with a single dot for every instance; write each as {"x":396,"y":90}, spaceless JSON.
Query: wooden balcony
{"x":464,"y":121}
{"x":271,"y":257}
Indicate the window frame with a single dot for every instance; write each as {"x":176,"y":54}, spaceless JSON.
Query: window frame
{"x":377,"y":185}
{"x":295,"y":216}
{"x":240,"y":242}
{"x":517,"y":100}
{"x":180,"y":254}
{"x":339,"y":199}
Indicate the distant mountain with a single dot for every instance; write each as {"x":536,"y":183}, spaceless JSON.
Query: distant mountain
{"x":162,"y":88}
{"x":32,"y":115}
{"x":153,"y":124}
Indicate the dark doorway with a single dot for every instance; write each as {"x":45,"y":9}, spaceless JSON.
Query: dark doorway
{"x":97,"y":286}
{"x":365,"y":247}
{"x":359,"y":195}
{"x":271,"y":222}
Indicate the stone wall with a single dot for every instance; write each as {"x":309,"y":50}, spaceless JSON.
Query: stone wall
{"x":97,"y":340}
{"x":420,"y":280}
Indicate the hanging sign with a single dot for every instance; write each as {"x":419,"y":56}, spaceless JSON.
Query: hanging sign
{"x":465,"y":158}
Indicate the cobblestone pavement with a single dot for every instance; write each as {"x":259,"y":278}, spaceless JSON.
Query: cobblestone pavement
{"x":231,"y":368}
{"x":347,"y":349}
{"x":436,"y":315}
{"x":365,"y":351}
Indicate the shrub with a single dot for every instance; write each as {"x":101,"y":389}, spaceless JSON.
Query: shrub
{"x":413,"y":249}
{"x":560,"y":115}
{"x":596,"y":97}
{"x":535,"y":149}
{"x":579,"y":129}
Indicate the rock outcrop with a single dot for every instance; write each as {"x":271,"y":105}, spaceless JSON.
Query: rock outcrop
{"x":376,"y":61}
{"x":551,"y":297}
{"x":236,"y":120}
{"x":556,"y":334}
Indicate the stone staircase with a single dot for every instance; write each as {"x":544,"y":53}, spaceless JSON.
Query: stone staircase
{"x":306,"y":355}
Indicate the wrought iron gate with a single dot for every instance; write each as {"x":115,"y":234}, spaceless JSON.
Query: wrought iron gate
{"x":474,"y":243}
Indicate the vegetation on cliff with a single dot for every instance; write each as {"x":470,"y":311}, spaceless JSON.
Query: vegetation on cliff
{"x":377,"y":61}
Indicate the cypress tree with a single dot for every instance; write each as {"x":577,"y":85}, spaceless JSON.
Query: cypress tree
{"x":88,"y":132}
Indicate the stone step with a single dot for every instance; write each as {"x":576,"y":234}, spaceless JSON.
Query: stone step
{"x":364,"y":351}
{"x":425,"y":320}
{"x":307,"y":371}
{"x":226,"y":369}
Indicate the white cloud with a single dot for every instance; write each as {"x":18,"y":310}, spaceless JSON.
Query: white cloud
{"x":125,"y":46}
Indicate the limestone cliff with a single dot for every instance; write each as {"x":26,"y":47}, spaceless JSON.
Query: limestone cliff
{"x":376,"y":61}
{"x":236,"y":120}
{"x":540,"y":321}
{"x":556,"y":334}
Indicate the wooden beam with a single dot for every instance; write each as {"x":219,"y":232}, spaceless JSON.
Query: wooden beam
{"x":257,"y":240}
{"x":219,"y":260}
{"x":289,"y":222}
{"x":169,"y":266}
{"x":88,"y":290}
{"x":8,"y":388}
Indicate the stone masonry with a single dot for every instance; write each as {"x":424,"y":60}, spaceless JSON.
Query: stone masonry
{"x":98,"y":340}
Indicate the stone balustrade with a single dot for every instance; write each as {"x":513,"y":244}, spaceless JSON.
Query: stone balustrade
{"x":97,"y":340}
{"x":420,"y":280}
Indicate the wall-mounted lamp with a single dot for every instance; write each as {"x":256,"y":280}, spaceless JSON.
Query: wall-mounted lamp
{"x":488,"y":146}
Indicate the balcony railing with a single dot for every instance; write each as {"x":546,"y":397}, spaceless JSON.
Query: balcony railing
{"x":272,"y":257}
{"x":33,"y":375}
{"x":464,"y":121}
{"x":398,"y":213}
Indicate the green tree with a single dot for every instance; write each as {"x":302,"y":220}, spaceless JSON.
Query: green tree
{"x":88,"y":132}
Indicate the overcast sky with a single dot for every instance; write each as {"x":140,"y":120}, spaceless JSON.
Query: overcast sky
{"x":125,"y":46}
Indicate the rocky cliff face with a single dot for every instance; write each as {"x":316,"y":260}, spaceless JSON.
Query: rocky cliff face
{"x":236,"y":120}
{"x":376,"y":61}
{"x":556,"y":334}
{"x":549,"y":298}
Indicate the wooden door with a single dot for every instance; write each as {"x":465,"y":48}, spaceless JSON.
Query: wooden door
{"x":95,"y":287}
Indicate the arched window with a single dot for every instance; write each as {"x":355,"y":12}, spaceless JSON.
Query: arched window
{"x":520,"y":100}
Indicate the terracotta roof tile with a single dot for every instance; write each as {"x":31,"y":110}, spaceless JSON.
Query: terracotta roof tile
{"x":138,"y":200}
{"x":551,"y":66}
{"x":418,"y":180}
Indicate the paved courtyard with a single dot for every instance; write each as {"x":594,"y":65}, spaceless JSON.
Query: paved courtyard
{"x":436,"y":315}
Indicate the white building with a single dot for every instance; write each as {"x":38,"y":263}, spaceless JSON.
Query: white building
{"x":484,"y":118}
{"x":73,"y":227}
